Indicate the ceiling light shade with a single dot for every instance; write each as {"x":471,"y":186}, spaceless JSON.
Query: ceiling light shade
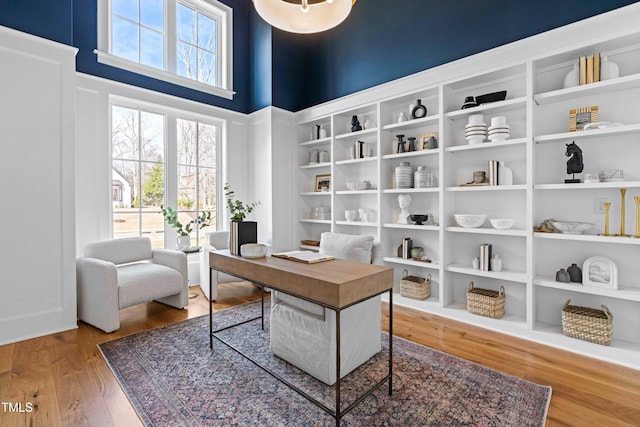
{"x":304,"y":16}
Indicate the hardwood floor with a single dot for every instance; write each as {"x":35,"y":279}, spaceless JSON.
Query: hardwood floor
{"x":69,"y":384}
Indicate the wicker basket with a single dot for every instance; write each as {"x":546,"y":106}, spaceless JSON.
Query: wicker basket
{"x":485,"y":302}
{"x":588,"y":324}
{"x":415,"y":287}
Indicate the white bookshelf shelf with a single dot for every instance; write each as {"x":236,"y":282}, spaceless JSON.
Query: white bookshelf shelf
{"x":433,"y":265}
{"x":513,"y":276}
{"x":488,"y":230}
{"x":623,"y":292}
{"x":487,"y":145}
{"x":588,"y":238}
{"x":588,"y":134}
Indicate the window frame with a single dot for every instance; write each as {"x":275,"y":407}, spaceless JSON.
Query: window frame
{"x":224,"y":39}
{"x":171,"y":166}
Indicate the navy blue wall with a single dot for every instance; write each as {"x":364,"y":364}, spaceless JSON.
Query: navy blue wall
{"x":383,"y":40}
{"x":261,"y":63}
{"x":74,"y":22}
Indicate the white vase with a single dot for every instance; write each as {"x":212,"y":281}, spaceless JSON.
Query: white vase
{"x":184,"y":242}
{"x":572,"y":78}
{"x":496,"y":263}
{"x":608,"y":70}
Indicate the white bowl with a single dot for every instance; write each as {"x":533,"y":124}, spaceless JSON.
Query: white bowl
{"x":470,"y":221}
{"x":502,"y":223}
{"x":351,"y":215}
{"x":476,"y":119}
{"x":253,"y":250}
{"x":571,"y":227}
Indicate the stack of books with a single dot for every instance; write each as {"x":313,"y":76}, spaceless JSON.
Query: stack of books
{"x":589,"y":69}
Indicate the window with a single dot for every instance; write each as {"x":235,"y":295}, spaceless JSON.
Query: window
{"x":197,"y":184}
{"x":138,"y":152}
{"x":186,"y":42}
{"x":152,"y":168}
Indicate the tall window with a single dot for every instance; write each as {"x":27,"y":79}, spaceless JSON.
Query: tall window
{"x":196,"y":172}
{"x":152,"y":168}
{"x":138,"y":153}
{"x":186,"y":42}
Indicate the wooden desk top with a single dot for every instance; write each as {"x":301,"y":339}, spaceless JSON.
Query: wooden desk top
{"x":336,"y":283}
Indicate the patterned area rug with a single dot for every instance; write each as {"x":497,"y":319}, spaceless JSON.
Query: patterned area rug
{"x":173,"y":379}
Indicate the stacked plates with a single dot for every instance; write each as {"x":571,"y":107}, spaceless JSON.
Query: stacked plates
{"x":475,"y":131}
{"x":499,"y":129}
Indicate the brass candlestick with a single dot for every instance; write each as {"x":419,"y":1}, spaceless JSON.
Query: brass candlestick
{"x":637,"y":199}
{"x":607,"y":206}
{"x":623,"y":191}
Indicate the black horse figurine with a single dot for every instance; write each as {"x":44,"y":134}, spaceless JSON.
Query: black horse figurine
{"x":574,"y":164}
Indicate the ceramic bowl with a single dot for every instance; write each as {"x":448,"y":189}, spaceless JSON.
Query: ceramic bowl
{"x":470,"y":221}
{"x":253,"y":250}
{"x":502,"y":223}
{"x":419,"y":219}
{"x":351,"y":215}
{"x":476,"y":119}
{"x":571,"y":227}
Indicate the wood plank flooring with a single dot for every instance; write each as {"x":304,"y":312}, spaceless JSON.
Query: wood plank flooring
{"x":66,"y":379}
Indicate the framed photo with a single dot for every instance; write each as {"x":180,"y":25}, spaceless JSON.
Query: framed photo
{"x":579,"y":117}
{"x":323,"y":182}
{"x":601,"y":272}
{"x":424,"y":140}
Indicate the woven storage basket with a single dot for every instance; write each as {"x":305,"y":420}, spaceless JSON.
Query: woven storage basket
{"x":485,"y":302}
{"x":588,"y":324}
{"x":415,"y":287}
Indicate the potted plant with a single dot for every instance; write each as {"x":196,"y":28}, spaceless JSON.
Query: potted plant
{"x":241,"y":231}
{"x":184,"y":230}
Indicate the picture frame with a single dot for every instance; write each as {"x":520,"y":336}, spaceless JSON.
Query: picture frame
{"x":600,"y":272}
{"x":323,"y":182}
{"x":579,"y":117}
{"x":424,"y":139}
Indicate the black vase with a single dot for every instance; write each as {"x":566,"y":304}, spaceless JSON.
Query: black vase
{"x":242,"y":232}
{"x":562,"y":276}
{"x":575,"y":273}
{"x":419,"y":111}
{"x":401,"y":143}
{"x":412,"y":143}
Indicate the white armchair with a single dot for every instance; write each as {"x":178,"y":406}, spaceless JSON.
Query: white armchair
{"x":215,"y":241}
{"x":304,"y":333}
{"x":119,"y":273}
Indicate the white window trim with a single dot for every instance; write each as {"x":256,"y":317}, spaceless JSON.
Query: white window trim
{"x":225,"y":50}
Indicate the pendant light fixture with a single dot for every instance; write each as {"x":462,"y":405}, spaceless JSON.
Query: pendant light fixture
{"x":304,"y":16}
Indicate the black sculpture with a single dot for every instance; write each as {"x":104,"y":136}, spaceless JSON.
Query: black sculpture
{"x":574,"y":164}
{"x":355,"y":124}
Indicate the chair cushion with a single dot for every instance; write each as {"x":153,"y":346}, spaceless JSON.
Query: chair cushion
{"x":300,"y":304}
{"x":346,"y":246}
{"x":141,"y":282}
{"x":120,"y":251}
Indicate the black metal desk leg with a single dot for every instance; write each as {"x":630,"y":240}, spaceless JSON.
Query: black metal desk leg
{"x":390,"y":341}
{"x":338,"y":411}
{"x":262,"y":296}
{"x":210,"y":310}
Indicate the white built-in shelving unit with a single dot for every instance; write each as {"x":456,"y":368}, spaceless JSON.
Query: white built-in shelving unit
{"x":537,"y":110}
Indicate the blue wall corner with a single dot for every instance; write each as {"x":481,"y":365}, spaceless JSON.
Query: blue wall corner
{"x":261,"y":69}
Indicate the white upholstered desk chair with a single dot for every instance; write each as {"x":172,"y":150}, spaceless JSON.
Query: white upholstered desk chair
{"x":304,"y":333}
